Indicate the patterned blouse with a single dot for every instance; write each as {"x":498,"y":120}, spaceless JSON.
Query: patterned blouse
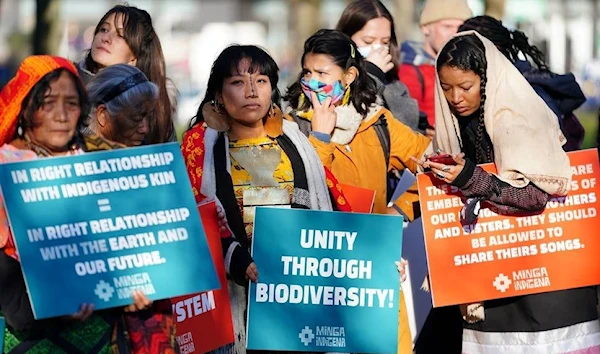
{"x":250,"y":159}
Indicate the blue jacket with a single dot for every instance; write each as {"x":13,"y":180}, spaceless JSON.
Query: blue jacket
{"x":560,"y":92}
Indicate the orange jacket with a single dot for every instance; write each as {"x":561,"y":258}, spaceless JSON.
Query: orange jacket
{"x":361,"y":163}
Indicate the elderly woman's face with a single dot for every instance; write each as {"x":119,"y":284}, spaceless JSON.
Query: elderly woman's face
{"x":55,"y":122}
{"x":130,"y":127}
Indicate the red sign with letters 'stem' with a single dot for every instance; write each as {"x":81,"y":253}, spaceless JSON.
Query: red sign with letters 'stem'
{"x":203,"y":320}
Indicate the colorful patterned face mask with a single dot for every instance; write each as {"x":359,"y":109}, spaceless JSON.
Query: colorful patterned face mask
{"x":335,"y":91}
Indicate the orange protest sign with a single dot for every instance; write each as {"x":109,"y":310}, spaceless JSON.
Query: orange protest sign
{"x":203,"y":320}
{"x":502,"y":256}
{"x":360,"y":199}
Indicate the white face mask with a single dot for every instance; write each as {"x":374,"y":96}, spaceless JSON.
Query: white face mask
{"x":365,"y":51}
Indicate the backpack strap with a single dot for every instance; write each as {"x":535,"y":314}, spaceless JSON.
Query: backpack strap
{"x":383,"y":133}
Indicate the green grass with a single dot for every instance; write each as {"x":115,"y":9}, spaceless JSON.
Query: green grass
{"x":589,"y":120}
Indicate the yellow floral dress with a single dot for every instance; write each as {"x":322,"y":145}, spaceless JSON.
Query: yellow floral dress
{"x":262,"y":175}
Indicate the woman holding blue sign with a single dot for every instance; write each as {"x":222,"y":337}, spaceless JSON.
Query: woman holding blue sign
{"x":242,"y":152}
{"x":486,"y":111}
{"x":42,"y":110}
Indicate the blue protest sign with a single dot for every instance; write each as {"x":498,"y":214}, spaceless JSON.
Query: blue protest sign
{"x":92,"y":228}
{"x":327,"y":281}
{"x":2,"y":326}
{"x":416,"y":287}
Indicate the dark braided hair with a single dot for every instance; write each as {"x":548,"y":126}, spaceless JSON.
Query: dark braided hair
{"x":509,"y":43}
{"x":467,"y":53}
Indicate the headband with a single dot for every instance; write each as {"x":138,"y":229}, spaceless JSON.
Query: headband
{"x":123,"y":86}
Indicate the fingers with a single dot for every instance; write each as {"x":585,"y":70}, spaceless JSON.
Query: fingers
{"x":85,"y":311}
{"x":252,"y":272}
{"x":430,"y":133}
{"x":389,"y":66}
{"x":383,"y":50}
{"x":439,"y":173}
{"x":437,"y":166}
{"x":401,"y":266}
{"x":315,"y":101}
{"x":140,"y":302}
{"x":221,"y":219}
{"x":417,"y":161}
{"x":331,"y":108}
{"x":459,"y":158}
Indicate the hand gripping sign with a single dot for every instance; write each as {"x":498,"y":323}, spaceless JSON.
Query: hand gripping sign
{"x":502,"y":256}
{"x":100,"y":225}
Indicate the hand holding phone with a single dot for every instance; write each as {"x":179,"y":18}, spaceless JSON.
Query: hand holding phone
{"x":445,"y":159}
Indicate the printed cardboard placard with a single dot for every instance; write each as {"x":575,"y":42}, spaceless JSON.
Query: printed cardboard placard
{"x":327,"y":281}
{"x":204,"y":319}
{"x":91,"y":228}
{"x":360,"y":199}
{"x":416,"y":287}
{"x":501,"y":256}
{"x":2,"y":327}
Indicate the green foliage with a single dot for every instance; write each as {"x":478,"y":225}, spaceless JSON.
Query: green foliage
{"x":589,"y":120}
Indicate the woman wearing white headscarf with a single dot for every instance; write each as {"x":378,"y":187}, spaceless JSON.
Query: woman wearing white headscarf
{"x":487,"y":112}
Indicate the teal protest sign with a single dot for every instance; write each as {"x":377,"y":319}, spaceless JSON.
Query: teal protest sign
{"x":327,"y":281}
{"x":2,"y":326}
{"x":92,"y":228}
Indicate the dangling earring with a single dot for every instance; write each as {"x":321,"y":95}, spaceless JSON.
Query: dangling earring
{"x":216,"y":117}
{"x":346,"y":98}
{"x":20,"y":130}
{"x":272,"y":121}
{"x":275,"y":112}
{"x":301,"y":99}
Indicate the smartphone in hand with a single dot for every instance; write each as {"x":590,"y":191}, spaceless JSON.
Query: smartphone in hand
{"x":444,"y":159}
